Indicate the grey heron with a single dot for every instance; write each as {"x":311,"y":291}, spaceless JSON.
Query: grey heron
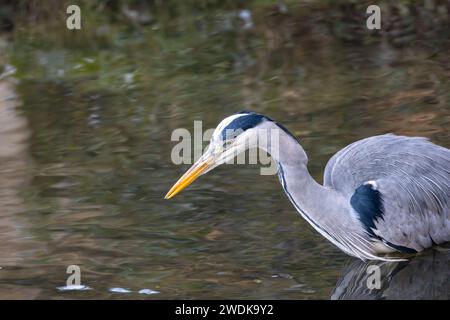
{"x":381,"y":195}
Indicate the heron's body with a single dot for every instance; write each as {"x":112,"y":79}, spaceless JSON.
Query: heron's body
{"x":411,"y":178}
{"x":380,"y":195}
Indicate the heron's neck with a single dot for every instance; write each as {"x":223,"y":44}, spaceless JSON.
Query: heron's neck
{"x":320,"y":206}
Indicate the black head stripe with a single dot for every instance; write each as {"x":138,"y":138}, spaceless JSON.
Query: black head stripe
{"x":250,"y":120}
{"x":241,"y":124}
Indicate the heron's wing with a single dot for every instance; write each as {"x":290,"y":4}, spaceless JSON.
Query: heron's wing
{"x":399,"y":187}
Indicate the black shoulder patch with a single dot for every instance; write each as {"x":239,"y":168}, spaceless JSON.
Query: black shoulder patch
{"x":368,"y":204}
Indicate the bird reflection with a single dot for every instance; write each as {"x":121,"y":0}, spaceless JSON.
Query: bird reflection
{"x":426,"y":276}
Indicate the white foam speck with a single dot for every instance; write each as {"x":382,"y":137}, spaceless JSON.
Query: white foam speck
{"x":74,"y":288}
{"x":148,"y":291}
{"x":119,"y":290}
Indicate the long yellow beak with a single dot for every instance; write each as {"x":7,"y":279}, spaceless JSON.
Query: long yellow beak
{"x":186,"y":179}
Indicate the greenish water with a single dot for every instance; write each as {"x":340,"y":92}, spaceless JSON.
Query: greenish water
{"x":86,"y":159}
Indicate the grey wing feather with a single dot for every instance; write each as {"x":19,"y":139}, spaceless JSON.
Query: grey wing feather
{"x":413,"y":177}
{"x":400,"y":280}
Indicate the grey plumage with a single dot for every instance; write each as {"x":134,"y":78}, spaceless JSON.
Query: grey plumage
{"x":413,"y":178}
{"x":410,"y":175}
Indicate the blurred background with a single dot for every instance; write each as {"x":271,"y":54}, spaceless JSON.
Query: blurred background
{"x":86,"y":118}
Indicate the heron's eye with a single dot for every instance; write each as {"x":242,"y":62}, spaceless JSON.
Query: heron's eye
{"x":227,"y":143}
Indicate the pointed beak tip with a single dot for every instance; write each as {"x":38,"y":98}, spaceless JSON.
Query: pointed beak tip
{"x":170,"y":194}
{"x":192,"y":174}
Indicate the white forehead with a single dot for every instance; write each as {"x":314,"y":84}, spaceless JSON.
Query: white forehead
{"x":217,"y":135}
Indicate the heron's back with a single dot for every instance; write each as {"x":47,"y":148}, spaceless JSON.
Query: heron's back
{"x":413,"y":178}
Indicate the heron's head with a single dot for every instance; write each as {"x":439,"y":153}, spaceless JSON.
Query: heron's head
{"x":233,"y":135}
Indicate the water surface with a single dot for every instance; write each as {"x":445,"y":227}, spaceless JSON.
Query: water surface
{"x":85,"y":156}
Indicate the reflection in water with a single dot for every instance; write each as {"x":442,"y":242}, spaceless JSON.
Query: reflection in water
{"x":15,"y":166}
{"x":426,"y":276}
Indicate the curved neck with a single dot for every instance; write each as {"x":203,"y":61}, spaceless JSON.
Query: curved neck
{"x":325,"y":209}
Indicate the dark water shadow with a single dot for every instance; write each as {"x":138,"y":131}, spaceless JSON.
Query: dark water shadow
{"x":424,"y":277}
